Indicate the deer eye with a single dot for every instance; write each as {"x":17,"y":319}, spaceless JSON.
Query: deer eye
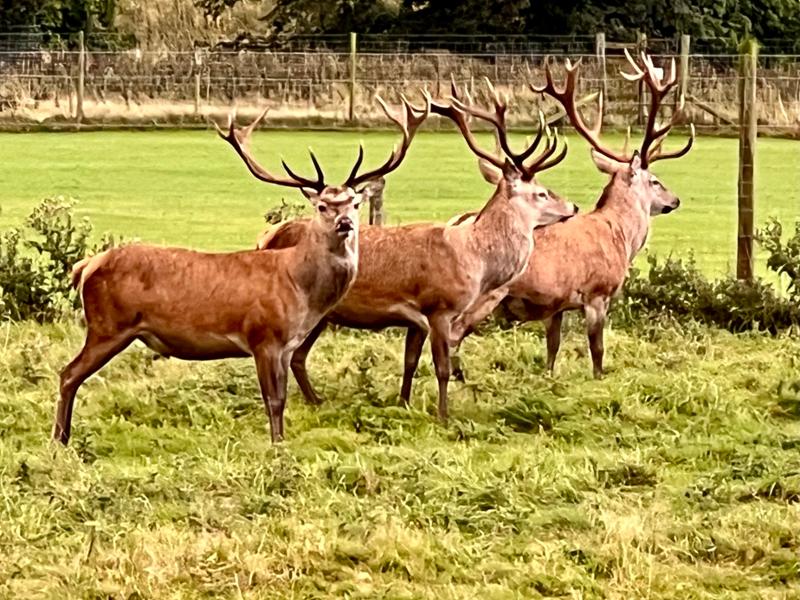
{"x":322,"y":208}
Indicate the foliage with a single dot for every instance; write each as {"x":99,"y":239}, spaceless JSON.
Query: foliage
{"x":784,"y":256}
{"x":677,"y":289}
{"x":36,"y":261}
{"x":57,"y":16}
{"x":726,"y":19}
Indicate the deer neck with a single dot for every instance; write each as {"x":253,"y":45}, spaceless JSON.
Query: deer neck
{"x":625,"y":208}
{"x":324,"y":266}
{"x":502,"y":236}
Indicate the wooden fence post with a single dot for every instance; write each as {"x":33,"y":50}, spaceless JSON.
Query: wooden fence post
{"x":198,"y":66}
{"x":685,"y":49}
{"x":353,"y":64}
{"x":641,"y":46}
{"x":748,"y":132}
{"x":600,"y":51}
{"x":81,"y":76}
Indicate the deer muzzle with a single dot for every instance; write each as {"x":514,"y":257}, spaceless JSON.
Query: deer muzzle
{"x":344,"y":226}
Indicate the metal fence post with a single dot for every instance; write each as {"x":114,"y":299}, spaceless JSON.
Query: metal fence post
{"x":748,"y":132}
{"x":81,"y":76}
{"x":352,"y":108}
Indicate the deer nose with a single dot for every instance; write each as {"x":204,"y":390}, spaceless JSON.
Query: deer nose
{"x":344,"y":225}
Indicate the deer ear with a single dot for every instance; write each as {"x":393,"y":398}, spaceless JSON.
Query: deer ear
{"x":489,"y":172}
{"x":510,"y":172}
{"x":605,"y":164}
{"x":636,"y":161}
{"x":310,"y":194}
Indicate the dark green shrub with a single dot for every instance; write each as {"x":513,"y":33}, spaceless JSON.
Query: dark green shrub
{"x":36,"y":261}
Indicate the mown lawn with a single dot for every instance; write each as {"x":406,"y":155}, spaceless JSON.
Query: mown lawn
{"x":677,"y":476}
{"x":189,"y":188}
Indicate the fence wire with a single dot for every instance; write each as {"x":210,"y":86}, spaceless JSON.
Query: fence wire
{"x":179,"y":88}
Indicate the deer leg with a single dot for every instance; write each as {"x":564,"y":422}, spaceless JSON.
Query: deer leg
{"x":415,"y":339}
{"x":465,"y":323}
{"x":298,"y":364}
{"x":272,"y":366}
{"x":440,"y":347}
{"x":96,"y":352}
{"x":595,"y":323}
{"x":553,"y":327}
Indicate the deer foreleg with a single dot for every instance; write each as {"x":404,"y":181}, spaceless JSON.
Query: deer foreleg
{"x":415,"y":339}
{"x":475,"y":313}
{"x":272,"y":365}
{"x":96,"y":352}
{"x":595,"y":313}
{"x":440,"y":347}
{"x":553,"y":328}
{"x":298,"y":364}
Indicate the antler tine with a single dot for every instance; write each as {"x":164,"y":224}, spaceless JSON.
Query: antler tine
{"x":566,"y":97}
{"x":541,"y":163}
{"x":412,"y":117}
{"x":458,"y":115}
{"x":239,"y":139}
{"x":557,"y":159}
{"x":677,"y":153}
{"x":639,"y":73}
{"x":536,"y":140}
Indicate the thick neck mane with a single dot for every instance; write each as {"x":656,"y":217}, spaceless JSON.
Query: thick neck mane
{"x":500,"y":194}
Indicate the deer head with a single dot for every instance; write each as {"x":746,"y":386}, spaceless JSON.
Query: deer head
{"x":513,"y":172}
{"x":335,"y":206}
{"x":632,"y":169}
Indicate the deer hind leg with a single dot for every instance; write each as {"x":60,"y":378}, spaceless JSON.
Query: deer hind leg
{"x":298,"y":365}
{"x":415,"y":339}
{"x":440,"y":347}
{"x":595,"y":313}
{"x":553,"y":328}
{"x":96,"y":352}
{"x":272,"y":366}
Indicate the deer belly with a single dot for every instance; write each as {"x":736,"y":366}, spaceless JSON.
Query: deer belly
{"x":196,"y":345}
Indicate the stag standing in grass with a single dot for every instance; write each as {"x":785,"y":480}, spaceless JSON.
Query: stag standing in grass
{"x":423,"y":277}
{"x":200,"y":306}
{"x":599,"y":245}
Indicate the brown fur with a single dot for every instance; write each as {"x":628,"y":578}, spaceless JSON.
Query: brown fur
{"x":424,"y":277}
{"x":202,"y":306}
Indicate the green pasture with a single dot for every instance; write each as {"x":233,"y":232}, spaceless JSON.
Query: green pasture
{"x":677,"y":476}
{"x":189,"y":188}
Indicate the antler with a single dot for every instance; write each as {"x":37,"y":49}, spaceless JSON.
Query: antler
{"x":459,"y":112}
{"x":566,"y":97}
{"x":239,"y":138}
{"x":410,"y":120}
{"x":650,"y":149}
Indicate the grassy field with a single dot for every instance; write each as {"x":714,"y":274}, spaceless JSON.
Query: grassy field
{"x":189,"y":188}
{"x":678,"y":476}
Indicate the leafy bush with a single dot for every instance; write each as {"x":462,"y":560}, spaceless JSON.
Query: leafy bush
{"x":676,"y":289}
{"x":36,"y":261}
{"x":784,"y":258}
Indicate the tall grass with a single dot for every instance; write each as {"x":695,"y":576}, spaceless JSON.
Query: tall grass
{"x":678,"y":475}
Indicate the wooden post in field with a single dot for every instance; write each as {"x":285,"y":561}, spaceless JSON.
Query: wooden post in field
{"x":641,"y":46}
{"x":600,"y":51}
{"x":198,"y":66}
{"x":352,"y":108}
{"x":374,"y":191}
{"x":81,"y":76}
{"x":686,"y":41}
{"x":748,"y":132}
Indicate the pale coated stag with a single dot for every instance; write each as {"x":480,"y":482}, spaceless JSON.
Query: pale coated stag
{"x":202,"y":306}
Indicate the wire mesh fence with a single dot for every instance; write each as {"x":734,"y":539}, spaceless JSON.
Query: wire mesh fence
{"x":318,"y":86}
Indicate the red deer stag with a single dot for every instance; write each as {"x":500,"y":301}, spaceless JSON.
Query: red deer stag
{"x":201,"y":306}
{"x":599,"y":246}
{"x":424,"y":276}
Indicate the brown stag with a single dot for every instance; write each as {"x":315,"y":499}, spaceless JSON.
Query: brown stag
{"x":424,"y":276}
{"x":202,"y":306}
{"x":601,"y":244}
